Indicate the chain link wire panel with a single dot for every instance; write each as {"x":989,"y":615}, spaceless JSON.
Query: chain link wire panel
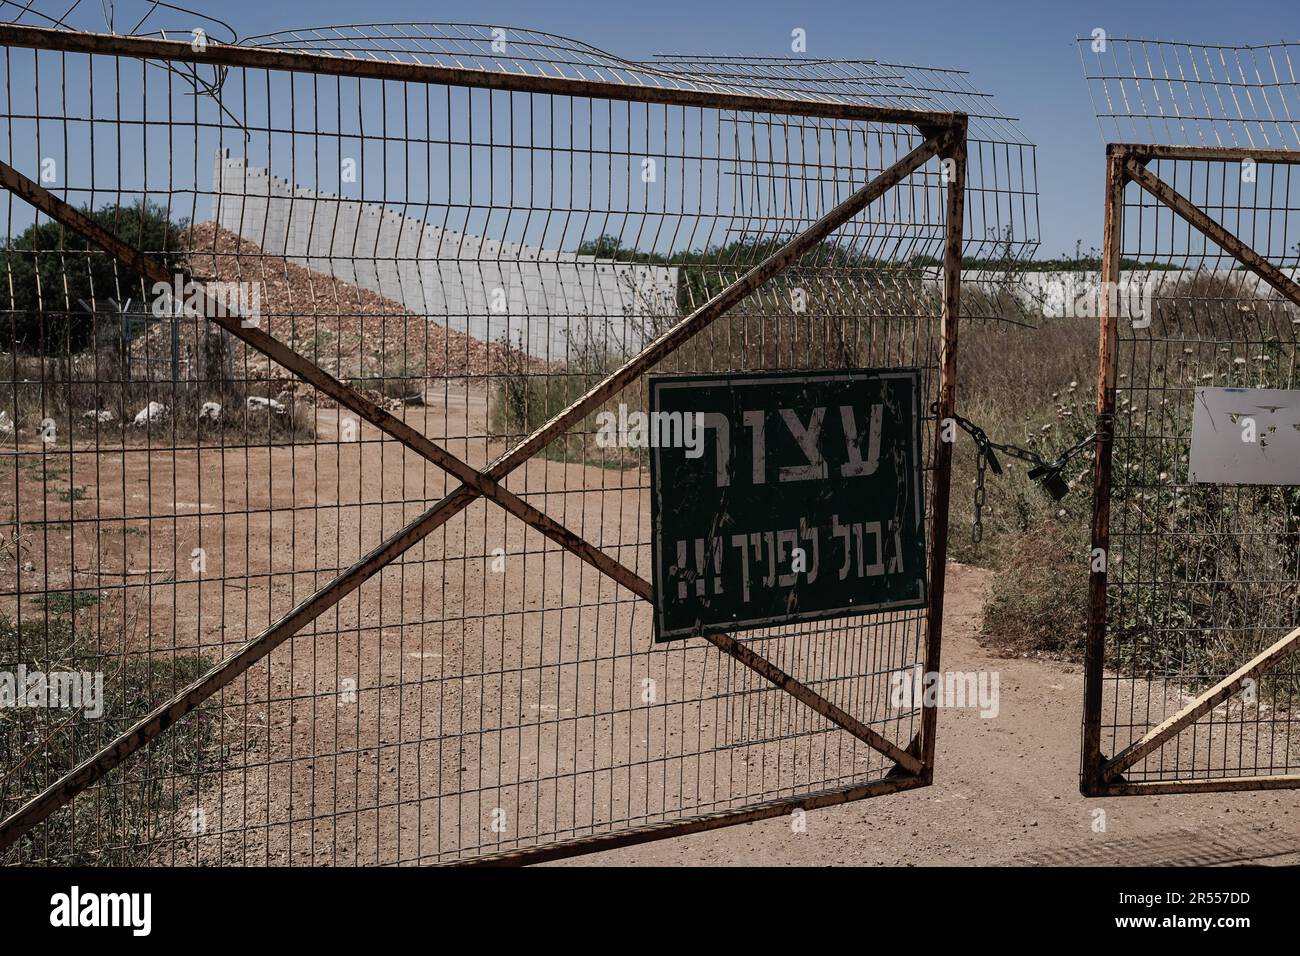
{"x":472,"y":260}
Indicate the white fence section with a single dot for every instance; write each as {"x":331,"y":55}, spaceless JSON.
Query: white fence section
{"x":551,"y":302}
{"x":1078,"y":294}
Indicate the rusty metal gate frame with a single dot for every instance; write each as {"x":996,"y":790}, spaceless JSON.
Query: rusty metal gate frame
{"x":944,"y":138}
{"x":1100,"y":774}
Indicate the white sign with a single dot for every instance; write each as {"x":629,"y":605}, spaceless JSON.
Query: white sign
{"x":1245,"y":436}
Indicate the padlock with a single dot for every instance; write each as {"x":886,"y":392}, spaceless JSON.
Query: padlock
{"x":1052,"y":480}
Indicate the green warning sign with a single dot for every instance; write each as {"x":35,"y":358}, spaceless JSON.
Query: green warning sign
{"x":785,"y":496}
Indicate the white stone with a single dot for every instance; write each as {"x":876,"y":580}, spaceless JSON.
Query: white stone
{"x":258,"y":404}
{"x":153,"y":412}
{"x":6,"y":425}
{"x":102,"y":415}
{"x":210,"y":412}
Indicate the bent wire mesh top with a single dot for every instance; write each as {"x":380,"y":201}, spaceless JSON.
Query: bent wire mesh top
{"x":474,"y":46}
{"x":1002,"y":204}
{"x":1159,"y":91}
{"x":1002,"y":201}
{"x":141,"y":18}
{"x":864,"y":82}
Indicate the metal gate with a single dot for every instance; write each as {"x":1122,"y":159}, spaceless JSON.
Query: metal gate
{"x":1195,"y":583}
{"x":384,"y":248}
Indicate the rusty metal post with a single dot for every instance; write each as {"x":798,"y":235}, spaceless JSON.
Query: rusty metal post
{"x":1098,"y":558}
{"x":954,"y":167}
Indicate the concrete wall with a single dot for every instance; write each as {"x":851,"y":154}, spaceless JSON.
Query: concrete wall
{"x":487,"y":288}
{"x":1064,"y":294}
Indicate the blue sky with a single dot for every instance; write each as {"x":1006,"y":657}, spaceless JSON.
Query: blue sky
{"x":1023,"y":52}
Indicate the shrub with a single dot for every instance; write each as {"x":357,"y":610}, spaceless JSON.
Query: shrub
{"x":527,"y":395}
{"x":52,"y":270}
{"x":1039,"y":597}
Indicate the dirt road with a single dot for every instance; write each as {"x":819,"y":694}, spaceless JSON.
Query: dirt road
{"x":1005,"y":793}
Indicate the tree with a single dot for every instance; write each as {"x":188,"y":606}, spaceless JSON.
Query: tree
{"x":52,"y":270}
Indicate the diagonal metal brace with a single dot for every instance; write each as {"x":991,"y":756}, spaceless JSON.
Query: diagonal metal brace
{"x":1229,"y":243}
{"x":1158,"y":736}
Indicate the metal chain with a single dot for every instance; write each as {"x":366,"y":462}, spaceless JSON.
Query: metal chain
{"x":1015,"y":451}
{"x":977,"y":529}
{"x":1048,"y":471}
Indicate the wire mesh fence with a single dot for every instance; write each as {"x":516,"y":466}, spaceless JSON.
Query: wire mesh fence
{"x":1201,"y":576}
{"x":1202,"y":573}
{"x":469,"y":261}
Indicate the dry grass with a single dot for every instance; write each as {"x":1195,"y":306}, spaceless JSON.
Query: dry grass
{"x":1033,"y":388}
{"x":1039,"y":603}
{"x":62,"y":389}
